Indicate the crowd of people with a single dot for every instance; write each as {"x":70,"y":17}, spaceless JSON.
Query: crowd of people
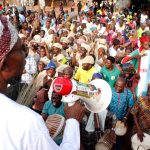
{"x":93,"y":42}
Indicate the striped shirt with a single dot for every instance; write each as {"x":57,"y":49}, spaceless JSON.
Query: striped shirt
{"x":142,"y":110}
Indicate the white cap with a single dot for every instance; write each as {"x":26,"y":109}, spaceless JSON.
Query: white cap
{"x":37,"y":38}
{"x":86,"y":46}
{"x":64,"y":40}
{"x":58,"y":45}
{"x":88,"y":60}
{"x":48,"y":39}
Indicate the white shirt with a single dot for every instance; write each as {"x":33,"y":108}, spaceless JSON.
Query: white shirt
{"x":34,"y":54}
{"x":120,"y":28}
{"x":23,"y":129}
{"x":101,"y":31}
{"x":46,"y":30}
{"x":42,"y":3}
{"x":86,"y":8}
{"x":89,"y":25}
{"x":143,"y":18}
{"x":112,"y":52}
{"x":30,"y":68}
{"x":22,"y":18}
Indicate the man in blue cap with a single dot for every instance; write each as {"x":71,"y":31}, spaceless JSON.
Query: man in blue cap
{"x":42,"y":94}
{"x":50,"y":71}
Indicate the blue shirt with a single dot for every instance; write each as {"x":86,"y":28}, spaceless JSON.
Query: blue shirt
{"x":49,"y":109}
{"x":120,"y":102}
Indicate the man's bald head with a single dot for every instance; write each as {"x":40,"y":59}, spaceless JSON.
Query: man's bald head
{"x":120,"y":85}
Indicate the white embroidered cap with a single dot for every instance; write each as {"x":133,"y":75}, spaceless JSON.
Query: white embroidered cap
{"x":8,"y":36}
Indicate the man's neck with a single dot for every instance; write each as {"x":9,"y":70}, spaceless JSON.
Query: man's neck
{"x":110,"y":69}
{"x":88,"y":69}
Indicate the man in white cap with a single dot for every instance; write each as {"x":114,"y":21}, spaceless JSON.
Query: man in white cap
{"x":79,"y":56}
{"x":34,"y":45}
{"x":64,"y":41}
{"x":84,"y":74}
{"x":57,"y":51}
{"x":47,"y":26}
{"x":30,"y":70}
{"x":20,"y":127}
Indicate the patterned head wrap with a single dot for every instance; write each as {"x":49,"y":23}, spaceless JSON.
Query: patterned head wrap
{"x":8,"y":37}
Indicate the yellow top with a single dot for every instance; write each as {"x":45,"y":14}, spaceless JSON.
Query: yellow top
{"x":84,"y":76}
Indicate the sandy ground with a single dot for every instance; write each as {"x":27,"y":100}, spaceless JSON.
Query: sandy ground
{"x":48,"y":3}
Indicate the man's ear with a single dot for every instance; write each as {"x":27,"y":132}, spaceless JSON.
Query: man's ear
{"x":4,"y":66}
{"x":5,"y":71}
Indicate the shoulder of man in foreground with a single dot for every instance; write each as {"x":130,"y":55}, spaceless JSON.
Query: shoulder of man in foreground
{"x":22,"y":128}
{"x":18,"y":114}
